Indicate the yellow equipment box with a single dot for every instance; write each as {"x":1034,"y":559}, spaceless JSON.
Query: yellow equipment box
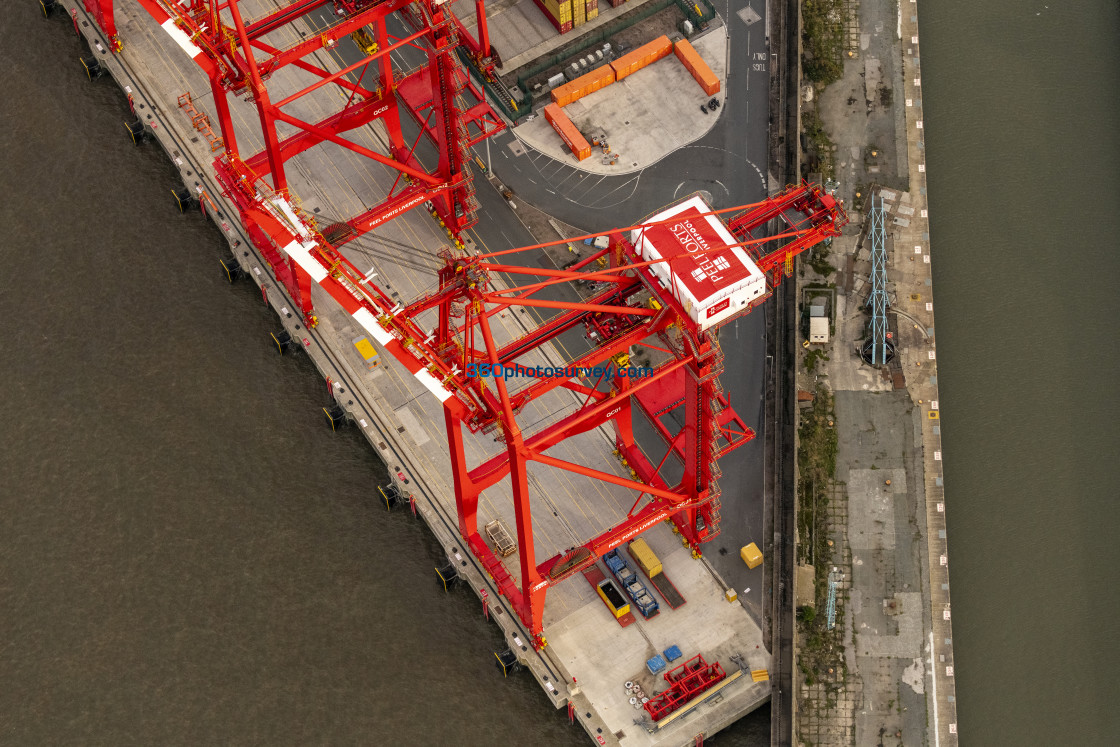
{"x":751,"y":555}
{"x":368,"y":352}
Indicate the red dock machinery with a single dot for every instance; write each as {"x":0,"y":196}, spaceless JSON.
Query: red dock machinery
{"x":645,"y":291}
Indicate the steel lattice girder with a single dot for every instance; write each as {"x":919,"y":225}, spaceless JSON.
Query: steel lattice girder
{"x":686,"y":681}
{"x":805,"y":207}
{"x":878,"y":299}
{"x":690,"y":504}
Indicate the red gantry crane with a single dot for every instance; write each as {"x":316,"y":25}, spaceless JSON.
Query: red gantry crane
{"x":669,"y":283}
{"x":232,"y":51}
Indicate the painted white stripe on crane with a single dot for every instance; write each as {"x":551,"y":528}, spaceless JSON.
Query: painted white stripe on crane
{"x":371,"y":325}
{"x":433,"y":384}
{"x":294,"y":223}
{"x":303,"y":258}
{"x":365,"y":318}
{"x":181,"y":38}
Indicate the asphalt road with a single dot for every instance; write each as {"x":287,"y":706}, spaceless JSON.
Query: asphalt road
{"x":729,"y":163}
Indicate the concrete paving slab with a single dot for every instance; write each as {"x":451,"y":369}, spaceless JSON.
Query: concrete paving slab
{"x":748,"y":15}
{"x":871,"y":508}
{"x":412,"y":425}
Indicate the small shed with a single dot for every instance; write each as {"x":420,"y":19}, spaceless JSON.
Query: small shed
{"x":818,"y":329}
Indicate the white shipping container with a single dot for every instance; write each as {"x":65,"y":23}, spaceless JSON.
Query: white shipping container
{"x":711,"y":284}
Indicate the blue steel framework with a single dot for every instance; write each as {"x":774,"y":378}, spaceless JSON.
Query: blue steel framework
{"x":878,"y":299}
{"x":833,"y":582}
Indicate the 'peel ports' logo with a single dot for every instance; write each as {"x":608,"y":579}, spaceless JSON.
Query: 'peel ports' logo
{"x":722,"y":305}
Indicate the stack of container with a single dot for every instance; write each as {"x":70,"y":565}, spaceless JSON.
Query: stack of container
{"x":692,"y":61}
{"x":592,"y":9}
{"x":616,"y":3}
{"x":579,"y":13}
{"x":559,"y":12}
{"x":583,"y":85}
{"x":632,"y":62}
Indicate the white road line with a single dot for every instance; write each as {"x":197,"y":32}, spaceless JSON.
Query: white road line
{"x":586,"y":191}
{"x":933,"y":677}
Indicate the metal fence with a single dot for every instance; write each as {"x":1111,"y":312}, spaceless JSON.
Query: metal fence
{"x":698,"y":11}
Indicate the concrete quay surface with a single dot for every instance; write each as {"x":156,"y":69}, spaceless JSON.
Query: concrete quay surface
{"x":588,"y":658}
{"x":887,"y":511}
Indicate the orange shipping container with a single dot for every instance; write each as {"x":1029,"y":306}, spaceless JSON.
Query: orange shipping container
{"x":567,"y":131}
{"x":695,"y":64}
{"x":632,"y":62}
{"x":598,"y":78}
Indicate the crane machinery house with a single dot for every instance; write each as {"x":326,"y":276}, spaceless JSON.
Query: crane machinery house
{"x":711,"y":285}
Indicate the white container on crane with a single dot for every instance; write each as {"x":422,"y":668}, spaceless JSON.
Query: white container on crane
{"x":711,"y":277}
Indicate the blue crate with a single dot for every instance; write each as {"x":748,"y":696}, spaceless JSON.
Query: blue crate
{"x":655,"y":665}
{"x":672,"y":653}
